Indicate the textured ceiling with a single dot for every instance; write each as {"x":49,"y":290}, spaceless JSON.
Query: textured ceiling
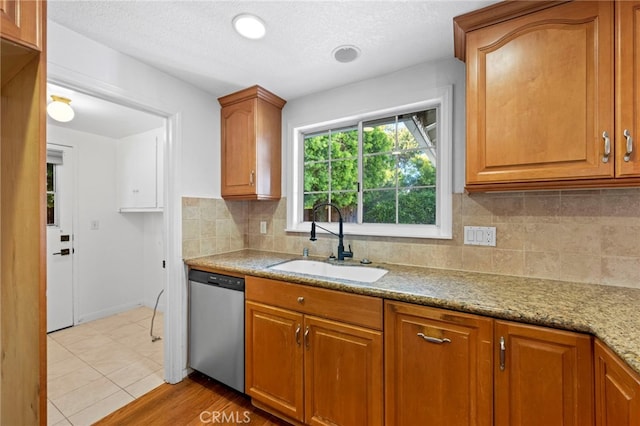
{"x":194,"y":40}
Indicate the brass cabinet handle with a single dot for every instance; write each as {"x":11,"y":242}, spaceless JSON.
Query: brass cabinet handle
{"x":252,"y":176}
{"x":607,"y":147}
{"x":434,"y":339}
{"x":627,"y":155}
{"x":503,"y":351}
{"x":298,"y":334}
{"x":306,"y":337}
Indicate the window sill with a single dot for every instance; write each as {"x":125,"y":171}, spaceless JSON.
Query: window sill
{"x":379,"y":230}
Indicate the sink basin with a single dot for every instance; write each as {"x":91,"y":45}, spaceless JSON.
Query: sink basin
{"x":330,"y":270}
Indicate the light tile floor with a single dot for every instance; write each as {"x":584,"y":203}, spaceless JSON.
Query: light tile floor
{"x":99,"y":366}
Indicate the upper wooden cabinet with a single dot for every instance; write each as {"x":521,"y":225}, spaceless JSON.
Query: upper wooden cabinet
{"x":545,"y":108}
{"x":542,"y":376}
{"x":627,"y":88}
{"x":617,"y":390}
{"x":251,"y":144}
{"x":20,"y":22}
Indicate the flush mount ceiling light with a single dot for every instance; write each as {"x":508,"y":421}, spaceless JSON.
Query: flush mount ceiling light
{"x":346,"y":53}
{"x":59,"y":109}
{"x":249,"y":26}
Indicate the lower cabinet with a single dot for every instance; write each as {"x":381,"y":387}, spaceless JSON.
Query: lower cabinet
{"x":315,"y":356}
{"x":543,"y":376}
{"x":342,"y":374}
{"x":438,"y":367}
{"x":274,"y":358}
{"x":617,"y":390}
{"x":449,"y":368}
{"x":309,"y":364}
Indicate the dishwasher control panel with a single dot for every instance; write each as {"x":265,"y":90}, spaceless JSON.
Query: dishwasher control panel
{"x":226,"y":281}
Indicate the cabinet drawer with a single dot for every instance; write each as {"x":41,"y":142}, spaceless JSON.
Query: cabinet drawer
{"x":351,"y":308}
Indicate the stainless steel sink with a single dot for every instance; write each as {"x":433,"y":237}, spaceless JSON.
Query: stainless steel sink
{"x":331,"y":270}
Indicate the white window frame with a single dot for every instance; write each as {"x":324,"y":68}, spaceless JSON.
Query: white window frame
{"x":444,"y":171}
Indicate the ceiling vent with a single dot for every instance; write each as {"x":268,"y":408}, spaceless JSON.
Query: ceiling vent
{"x":346,"y":53}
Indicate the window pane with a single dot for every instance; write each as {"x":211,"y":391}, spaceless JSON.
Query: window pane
{"x":378,"y":136}
{"x":50,"y":177}
{"x":312,"y":200}
{"x":51,"y":209}
{"x":418,"y":130}
{"x":347,"y":202}
{"x":379,"y":171}
{"x":416,"y":169}
{"x":426,"y":121}
{"x":316,"y":147}
{"x":379,"y":206}
{"x":344,"y":143}
{"x":316,"y":177}
{"x":407,"y":138}
{"x":344,"y":175}
{"x":417,"y":206}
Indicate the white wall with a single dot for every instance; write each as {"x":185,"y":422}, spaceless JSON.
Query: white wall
{"x":107,"y":260}
{"x":153,"y":255}
{"x":403,"y":87}
{"x":69,"y":53}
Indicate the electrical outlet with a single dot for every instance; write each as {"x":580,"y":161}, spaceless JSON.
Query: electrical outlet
{"x":263,"y":226}
{"x":480,"y":235}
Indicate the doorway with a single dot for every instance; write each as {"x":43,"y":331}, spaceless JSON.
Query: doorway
{"x":117,"y":252}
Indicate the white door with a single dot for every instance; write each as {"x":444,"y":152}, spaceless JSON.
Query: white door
{"x":59,"y":237}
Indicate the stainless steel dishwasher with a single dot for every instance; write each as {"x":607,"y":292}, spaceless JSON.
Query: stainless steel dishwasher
{"x":216,"y":327}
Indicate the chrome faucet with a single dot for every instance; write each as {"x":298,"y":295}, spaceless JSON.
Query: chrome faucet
{"x":342,"y":253}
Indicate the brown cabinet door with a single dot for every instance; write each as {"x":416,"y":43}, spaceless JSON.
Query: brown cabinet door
{"x":343,"y":374}
{"x":627,"y":88}
{"x":542,"y":376}
{"x":438,"y":367}
{"x":540,"y":96}
{"x":238,"y":122}
{"x":274,"y":358}
{"x":617,"y":390}
{"x":20,"y":21}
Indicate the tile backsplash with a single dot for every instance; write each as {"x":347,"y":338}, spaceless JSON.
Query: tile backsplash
{"x":588,"y":236}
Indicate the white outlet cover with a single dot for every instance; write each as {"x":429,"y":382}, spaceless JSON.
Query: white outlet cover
{"x":480,"y":235}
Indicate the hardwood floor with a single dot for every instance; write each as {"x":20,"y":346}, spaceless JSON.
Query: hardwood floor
{"x":196,"y":400}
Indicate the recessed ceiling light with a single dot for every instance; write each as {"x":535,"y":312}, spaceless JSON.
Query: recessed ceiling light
{"x":346,"y":53}
{"x":249,"y":26}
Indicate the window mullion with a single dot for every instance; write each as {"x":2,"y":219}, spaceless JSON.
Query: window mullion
{"x":329,"y":191}
{"x":397,"y":150}
{"x":360,"y":172}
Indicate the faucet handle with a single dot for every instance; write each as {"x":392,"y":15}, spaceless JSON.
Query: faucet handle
{"x":348,"y":253}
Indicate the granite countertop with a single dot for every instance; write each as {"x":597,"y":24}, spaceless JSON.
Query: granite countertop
{"x":610,"y":313}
